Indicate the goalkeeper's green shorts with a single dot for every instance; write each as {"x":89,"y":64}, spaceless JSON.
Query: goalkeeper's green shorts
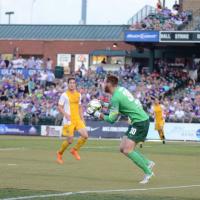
{"x":138,"y":131}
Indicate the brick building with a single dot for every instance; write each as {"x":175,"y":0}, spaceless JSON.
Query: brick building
{"x":51,"y":40}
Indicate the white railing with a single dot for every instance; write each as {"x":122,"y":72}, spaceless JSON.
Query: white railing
{"x":142,"y":14}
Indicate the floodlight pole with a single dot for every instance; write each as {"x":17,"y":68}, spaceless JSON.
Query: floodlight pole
{"x":84,"y":12}
{"x":9,"y":15}
{"x":163,"y":3}
{"x":32,"y":9}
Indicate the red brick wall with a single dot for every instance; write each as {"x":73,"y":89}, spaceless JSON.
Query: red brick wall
{"x":52,"y":48}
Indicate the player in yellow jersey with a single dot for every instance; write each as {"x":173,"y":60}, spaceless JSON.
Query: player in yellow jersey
{"x":69,"y":106}
{"x":159,"y":119}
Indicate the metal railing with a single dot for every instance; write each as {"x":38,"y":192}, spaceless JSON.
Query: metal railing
{"x":142,"y":14}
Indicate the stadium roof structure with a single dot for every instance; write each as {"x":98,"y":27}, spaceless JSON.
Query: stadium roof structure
{"x":109,"y":53}
{"x":62,"y":32}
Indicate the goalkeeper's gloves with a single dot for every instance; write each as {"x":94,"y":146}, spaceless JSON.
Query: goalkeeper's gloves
{"x":97,"y":114}
{"x":91,"y":111}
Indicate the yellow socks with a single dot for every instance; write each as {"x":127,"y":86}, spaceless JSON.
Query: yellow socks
{"x":161,"y":133}
{"x":64,"y":146}
{"x":81,"y":141}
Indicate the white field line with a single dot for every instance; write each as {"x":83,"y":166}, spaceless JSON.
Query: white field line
{"x":107,"y":147}
{"x":12,"y":164}
{"x":12,"y":149}
{"x":8,"y":164}
{"x":91,"y":147}
{"x":101,"y":147}
{"x":101,"y":191}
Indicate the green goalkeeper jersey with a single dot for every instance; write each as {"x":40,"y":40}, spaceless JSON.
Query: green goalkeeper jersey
{"x":123,"y":102}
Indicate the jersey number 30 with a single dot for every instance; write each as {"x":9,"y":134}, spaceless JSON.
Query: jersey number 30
{"x":133,"y":131}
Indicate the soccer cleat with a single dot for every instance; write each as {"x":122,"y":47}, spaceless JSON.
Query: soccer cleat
{"x":75,"y":154}
{"x":151,"y":165}
{"x":147,"y":178}
{"x":59,"y":158}
{"x":163,"y":141}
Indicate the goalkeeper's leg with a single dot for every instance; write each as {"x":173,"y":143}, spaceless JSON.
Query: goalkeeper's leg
{"x":127,"y":147}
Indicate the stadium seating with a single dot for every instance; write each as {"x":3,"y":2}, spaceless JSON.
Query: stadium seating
{"x":36,"y":99}
{"x":164,"y":19}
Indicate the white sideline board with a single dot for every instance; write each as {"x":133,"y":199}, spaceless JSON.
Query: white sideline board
{"x":173,"y":131}
{"x":177,"y":131}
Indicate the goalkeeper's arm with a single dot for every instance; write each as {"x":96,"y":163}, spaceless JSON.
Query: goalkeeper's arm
{"x":113,"y":114}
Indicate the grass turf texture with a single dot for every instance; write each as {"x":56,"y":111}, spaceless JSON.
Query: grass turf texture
{"x":28,"y":167}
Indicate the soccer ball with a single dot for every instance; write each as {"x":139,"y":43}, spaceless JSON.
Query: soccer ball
{"x":93,"y":106}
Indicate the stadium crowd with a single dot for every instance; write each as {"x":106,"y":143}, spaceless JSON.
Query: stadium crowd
{"x":30,"y":63}
{"x":33,"y":99}
{"x":164,"y":19}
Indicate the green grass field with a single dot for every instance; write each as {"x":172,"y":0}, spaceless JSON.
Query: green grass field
{"x":28,"y":168}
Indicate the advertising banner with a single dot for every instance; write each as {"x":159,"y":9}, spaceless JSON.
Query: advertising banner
{"x":173,"y":131}
{"x":180,"y":36}
{"x":8,"y":129}
{"x":177,"y":131}
{"x":100,"y":129}
{"x":25,"y":72}
{"x":51,"y":131}
{"x":81,"y":61}
{"x":141,"y":36}
{"x":63,"y":60}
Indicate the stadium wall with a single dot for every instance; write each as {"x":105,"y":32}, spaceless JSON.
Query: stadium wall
{"x":52,"y":48}
{"x":100,"y":129}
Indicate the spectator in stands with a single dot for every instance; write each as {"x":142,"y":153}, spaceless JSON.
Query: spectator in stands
{"x":165,"y":19}
{"x":37,"y":102}
{"x":49,"y":64}
{"x":50,"y":78}
{"x":43,"y":78}
{"x":31,"y":63}
{"x":176,"y":6}
{"x":83,"y":69}
{"x":39,"y":64}
{"x":4,"y":63}
{"x":33,"y":120}
{"x":31,"y":85}
{"x":179,"y":115}
{"x":159,"y":6}
{"x":103,"y":61}
{"x":18,"y":63}
{"x":99,"y":69}
{"x":19,"y":119}
{"x":193,"y":73}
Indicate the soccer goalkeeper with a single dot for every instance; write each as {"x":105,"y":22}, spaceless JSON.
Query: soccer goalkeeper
{"x":123,"y":102}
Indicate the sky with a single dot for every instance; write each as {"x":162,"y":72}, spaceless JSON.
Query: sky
{"x":69,"y":11}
